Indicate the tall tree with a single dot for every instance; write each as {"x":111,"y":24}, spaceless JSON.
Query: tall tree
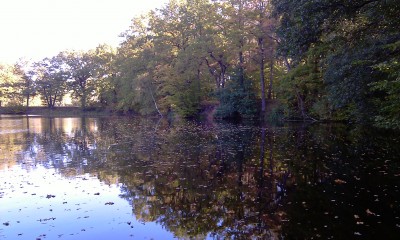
{"x":51,"y":79}
{"x":7,"y":80}
{"x":26,"y":83}
{"x":81,"y":69}
{"x":263,"y":33}
{"x":106,"y":75}
{"x":167,"y":50}
{"x":136,"y":62}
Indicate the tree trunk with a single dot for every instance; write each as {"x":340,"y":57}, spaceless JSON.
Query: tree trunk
{"x":222,"y":75}
{"x":271,"y":74}
{"x":82,"y":85}
{"x":213,"y":72}
{"x":219,"y":76}
{"x":300,"y":101}
{"x":262,"y":76}
{"x":300,"y":104}
{"x":50,"y":101}
{"x":83,"y":99}
{"x":155,"y":103}
{"x":241,"y":70}
{"x":27,"y":101}
{"x":198,"y":84}
{"x":241,"y":43}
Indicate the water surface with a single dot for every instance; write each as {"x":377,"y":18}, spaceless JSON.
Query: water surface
{"x":125,"y":178}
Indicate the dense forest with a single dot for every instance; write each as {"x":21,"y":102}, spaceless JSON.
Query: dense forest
{"x":334,"y":60}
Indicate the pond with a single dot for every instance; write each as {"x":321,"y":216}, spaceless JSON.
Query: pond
{"x":135,"y":178}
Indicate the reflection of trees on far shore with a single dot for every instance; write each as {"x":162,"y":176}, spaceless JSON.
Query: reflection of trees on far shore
{"x":225,"y":180}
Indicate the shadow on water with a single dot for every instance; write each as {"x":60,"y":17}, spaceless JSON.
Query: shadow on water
{"x":226,"y":180}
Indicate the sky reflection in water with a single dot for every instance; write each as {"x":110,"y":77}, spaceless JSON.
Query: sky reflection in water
{"x":40,"y":203}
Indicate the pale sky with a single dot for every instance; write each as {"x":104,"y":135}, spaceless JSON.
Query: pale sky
{"x":42,"y":28}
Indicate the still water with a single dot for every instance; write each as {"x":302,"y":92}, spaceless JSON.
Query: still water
{"x":131,"y":178}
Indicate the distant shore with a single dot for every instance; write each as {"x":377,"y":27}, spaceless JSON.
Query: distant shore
{"x":58,"y":111}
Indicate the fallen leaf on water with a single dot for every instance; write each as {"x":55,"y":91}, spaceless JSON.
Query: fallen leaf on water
{"x":369,"y":212}
{"x":340,"y":181}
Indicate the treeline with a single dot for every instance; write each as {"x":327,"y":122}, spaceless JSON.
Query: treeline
{"x":282,"y":59}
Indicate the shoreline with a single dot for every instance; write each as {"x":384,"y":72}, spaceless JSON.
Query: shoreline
{"x":59,"y":111}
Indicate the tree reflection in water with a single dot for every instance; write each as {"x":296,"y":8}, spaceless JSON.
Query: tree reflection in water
{"x":230,"y":180}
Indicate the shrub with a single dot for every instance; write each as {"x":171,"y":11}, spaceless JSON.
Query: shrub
{"x":237,"y":100}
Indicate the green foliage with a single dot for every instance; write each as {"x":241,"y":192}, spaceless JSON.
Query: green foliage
{"x":321,"y":109}
{"x":277,"y":113}
{"x":387,"y":92}
{"x":341,"y":58}
{"x":357,"y":54}
{"x":171,"y":58}
{"x":16,"y":84}
{"x":348,"y":74}
{"x":7,"y":80}
{"x":81,"y":70}
{"x":51,"y":80}
{"x":237,"y":100}
{"x":365,"y":75}
{"x":104,"y":58}
{"x":137,"y":96}
{"x":187,"y":101}
{"x":304,"y":85}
